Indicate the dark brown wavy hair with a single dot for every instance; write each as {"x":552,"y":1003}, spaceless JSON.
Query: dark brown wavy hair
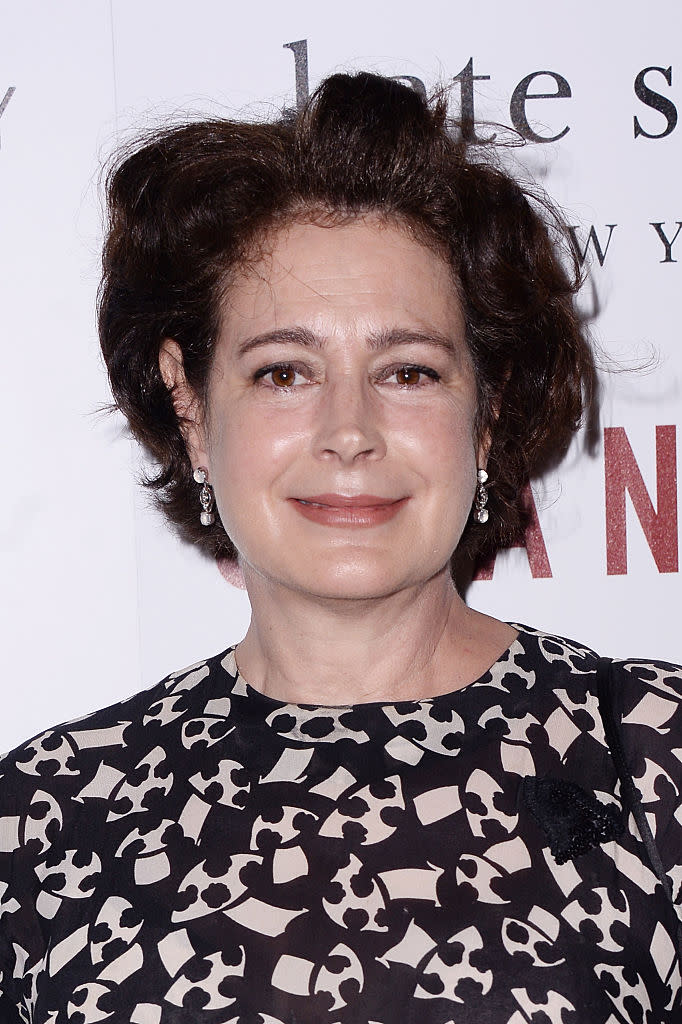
{"x":189,"y":204}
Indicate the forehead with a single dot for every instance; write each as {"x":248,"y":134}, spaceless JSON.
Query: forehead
{"x":341,"y":276}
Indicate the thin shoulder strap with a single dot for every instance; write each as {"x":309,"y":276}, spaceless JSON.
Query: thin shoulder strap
{"x":631,"y":796}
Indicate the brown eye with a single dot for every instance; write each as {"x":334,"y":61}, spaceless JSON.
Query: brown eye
{"x":283,"y":376}
{"x":408,"y":375}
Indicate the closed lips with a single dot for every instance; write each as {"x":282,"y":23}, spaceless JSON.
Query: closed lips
{"x":344,"y":501}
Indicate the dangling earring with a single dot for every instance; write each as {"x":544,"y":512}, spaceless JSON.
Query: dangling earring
{"x":205,"y":497}
{"x":481,"y":513}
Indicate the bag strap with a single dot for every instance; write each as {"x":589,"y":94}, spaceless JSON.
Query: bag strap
{"x":630,"y":795}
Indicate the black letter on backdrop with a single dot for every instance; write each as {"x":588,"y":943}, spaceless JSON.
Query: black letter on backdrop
{"x":300,"y":52}
{"x":594,"y":239}
{"x":5,"y":99}
{"x":664,"y":238}
{"x":414,"y":83}
{"x":466,"y":79}
{"x":655,"y":100}
{"x":517,"y":107}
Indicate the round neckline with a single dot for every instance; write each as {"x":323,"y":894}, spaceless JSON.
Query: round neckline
{"x":518,"y":643}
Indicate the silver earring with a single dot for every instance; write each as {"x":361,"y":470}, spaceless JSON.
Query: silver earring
{"x":205,"y":497}
{"x":481,"y":513}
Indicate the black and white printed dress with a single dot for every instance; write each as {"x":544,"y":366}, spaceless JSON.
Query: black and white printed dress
{"x":201,"y":854}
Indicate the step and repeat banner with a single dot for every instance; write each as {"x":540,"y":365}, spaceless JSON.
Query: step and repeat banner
{"x":99,"y":598}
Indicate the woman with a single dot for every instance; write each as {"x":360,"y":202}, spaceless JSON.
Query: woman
{"x":347,"y":344}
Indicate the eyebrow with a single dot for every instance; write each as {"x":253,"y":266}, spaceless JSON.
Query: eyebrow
{"x":377,"y":341}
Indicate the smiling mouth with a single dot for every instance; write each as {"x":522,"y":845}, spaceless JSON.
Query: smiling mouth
{"x":340,"y":510}
{"x":341,"y":501}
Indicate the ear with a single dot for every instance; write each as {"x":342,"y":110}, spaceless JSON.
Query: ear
{"x":186,"y":403}
{"x":485,"y":438}
{"x":483,"y":449}
{"x":482,"y":460}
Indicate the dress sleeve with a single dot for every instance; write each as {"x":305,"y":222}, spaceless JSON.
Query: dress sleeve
{"x":9,"y":904}
{"x":650,"y":697}
{"x":30,"y":820}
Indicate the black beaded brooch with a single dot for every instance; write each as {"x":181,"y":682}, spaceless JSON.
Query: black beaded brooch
{"x":573,"y":821}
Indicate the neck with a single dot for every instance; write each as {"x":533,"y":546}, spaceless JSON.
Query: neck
{"x":414,"y":644}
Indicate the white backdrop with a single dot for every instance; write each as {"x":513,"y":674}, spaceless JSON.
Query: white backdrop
{"x":98,"y":598}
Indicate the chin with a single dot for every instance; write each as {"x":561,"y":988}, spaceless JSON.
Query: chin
{"x":351,"y":590}
{"x":359,"y":581}
{"x":354,"y":574}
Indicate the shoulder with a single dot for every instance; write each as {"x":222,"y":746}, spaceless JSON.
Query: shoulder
{"x":637,"y":676}
{"x":650,"y":690}
{"x":68,"y":756}
{"x":646,"y":694}
{"x":647,"y":701}
{"x":554,"y":659}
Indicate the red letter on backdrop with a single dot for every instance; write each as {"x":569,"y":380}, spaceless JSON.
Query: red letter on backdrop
{"x":533,"y":542}
{"x":621,"y":474}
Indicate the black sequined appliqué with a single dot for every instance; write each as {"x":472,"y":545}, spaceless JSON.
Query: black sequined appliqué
{"x":573,"y":820}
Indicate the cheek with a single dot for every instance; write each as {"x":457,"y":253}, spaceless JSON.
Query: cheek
{"x":443,"y":437}
{"x":248,"y":451}
{"x":452,"y":461}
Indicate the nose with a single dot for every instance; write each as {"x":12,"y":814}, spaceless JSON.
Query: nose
{"x":348,"y":422}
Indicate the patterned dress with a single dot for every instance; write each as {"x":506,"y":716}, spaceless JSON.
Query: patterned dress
{"x":201,"y":854}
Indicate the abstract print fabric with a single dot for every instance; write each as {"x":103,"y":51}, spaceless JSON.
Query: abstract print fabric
{"x":203,"y":854}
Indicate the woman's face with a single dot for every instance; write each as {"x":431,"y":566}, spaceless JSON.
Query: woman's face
{"x":339,"y":429}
